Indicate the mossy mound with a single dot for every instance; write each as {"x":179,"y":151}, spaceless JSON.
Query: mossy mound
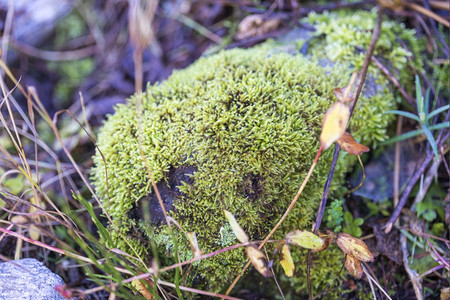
{"x":237,"y":131}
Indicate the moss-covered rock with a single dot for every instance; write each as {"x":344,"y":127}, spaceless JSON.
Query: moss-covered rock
{"x":237,"y":130}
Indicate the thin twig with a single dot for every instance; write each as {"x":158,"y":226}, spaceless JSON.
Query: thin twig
{"x":412,"y":183}
{"x":200,"y":292}
{"x":274,"y":276}
{"x":7,"y":32}
{"x":53,"y":55}
{"x":394,"y":80}
{"x":376,"y":282}
{"x":428,"y":13}
{"x":413,"y":276}
{"x":286,"y":213}
{"x":432,"y":172}
{"x":365,"y":67}
{"x":444,"y":5}
{"x":435,"y":29}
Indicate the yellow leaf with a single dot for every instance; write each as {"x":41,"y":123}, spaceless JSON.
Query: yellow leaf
{"x":286,"y":261}
{"x":194,"y":244}
{"x":237,"y":229}
{"x":354,"y":247}
{"x":36,"y":202}
{"x":305,"y":239}
{"x":19,"y":220}
{"x":258,"y":260}
{"x":334,"y":124}
{"x":353,"y":266}
{"x":34,"y":232}
{"x":255,"y":25}
{"x":348,"y":143}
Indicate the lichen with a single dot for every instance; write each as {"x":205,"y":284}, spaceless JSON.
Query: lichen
{"x":248,"y":122}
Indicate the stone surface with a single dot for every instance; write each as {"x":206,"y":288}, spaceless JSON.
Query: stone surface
{"x":28,"y":279}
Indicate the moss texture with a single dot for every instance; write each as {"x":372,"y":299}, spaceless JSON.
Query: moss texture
{"x":238,"y":131}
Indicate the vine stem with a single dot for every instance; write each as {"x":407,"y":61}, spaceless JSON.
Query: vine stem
{"x":323,"y":201}
{"x":286,"y":213}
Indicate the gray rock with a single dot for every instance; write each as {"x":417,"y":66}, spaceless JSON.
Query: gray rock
{"x":28,"y":279}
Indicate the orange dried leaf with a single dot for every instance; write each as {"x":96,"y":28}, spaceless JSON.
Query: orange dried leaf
{"x":396,"y":5}
{"x":353,"y":266}
{"x":340,"y":92}
{"x":255,"y":25}
{"x":34,"y":232}
{"x":258,"y":260}
{"x":286,"y":261}
{"x":354,"y":247}
{"x":348,"y":143}
{"x":142,"y":288}
{"x":194,"y":244}
{"x":237,"y":229}
{"x":334,"y":124}
{"x":305,"y":239}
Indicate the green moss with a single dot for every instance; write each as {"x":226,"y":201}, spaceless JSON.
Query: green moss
{"x":248,"y":122}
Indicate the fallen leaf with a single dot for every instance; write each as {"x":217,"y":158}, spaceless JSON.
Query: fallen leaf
{"x":348,"y":143}
{"x":445,"y":293}
{"x":34,"y":232}
{"x":286,"y":261}
{"x":19,"y":220}
{"x":255,"y":25}
{"x":334,"y":123}
{"x":258,"y":260}
{"x":340,"y":92}
{"x":142,"y":288}
{"x":194,"y":244}
{"x":354,"y":247}
{"x":353,"y":266}
{"x":237,"y":229}
{"x":305,"y":239}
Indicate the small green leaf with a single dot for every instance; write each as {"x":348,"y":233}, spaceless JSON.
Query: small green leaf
{"x":413,"y":133}
{"x":286,"y":261}
{"x":15,"y":184}
{"x":305,"y":239}
{"x":419,"y":96}
{"x":438,"y":111}
{"x":404,"y":114}
{"x":431,"y":140}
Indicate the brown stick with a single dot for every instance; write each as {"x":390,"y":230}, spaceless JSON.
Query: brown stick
{"x":412,"y":183}
{"x":394,"y":80}
{"x":428,"y":13}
